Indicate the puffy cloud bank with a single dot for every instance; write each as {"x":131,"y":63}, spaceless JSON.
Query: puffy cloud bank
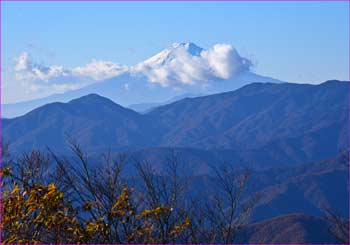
{"x":38,"y":78}
{"x":178,"y":65}
{"x":27,"y":69}
{"x":224,"y":61}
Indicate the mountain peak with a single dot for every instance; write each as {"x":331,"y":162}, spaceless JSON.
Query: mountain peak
{"x":91,"y":98}
{"x":191,"y":48}
{"x":170,"y":53}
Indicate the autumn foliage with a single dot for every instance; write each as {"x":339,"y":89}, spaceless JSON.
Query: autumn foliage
{"x":63,"y":203}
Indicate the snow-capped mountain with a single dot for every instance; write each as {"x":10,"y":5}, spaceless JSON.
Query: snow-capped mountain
{"x":179,"y":69}
{"x":188,"y":64}
{"x":170,"y":53}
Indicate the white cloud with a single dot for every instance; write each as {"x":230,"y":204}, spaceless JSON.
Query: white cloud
{"x":40,"y":79}
{"x":46,"y":73}
{"x":224,"y":61}
{"x":188,"y":64}
{"x":27,"y":69}
{"x":99,"y":70}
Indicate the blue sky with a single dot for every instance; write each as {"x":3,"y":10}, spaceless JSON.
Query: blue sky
{"x":291,"y":41}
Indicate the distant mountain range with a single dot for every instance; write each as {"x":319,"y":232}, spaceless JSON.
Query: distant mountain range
{"x":147,"y":107}
{"x":263,"y":123}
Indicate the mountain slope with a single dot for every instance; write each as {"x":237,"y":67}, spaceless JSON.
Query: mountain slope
{"x":295,"y":228}
{"x":310,"y":187}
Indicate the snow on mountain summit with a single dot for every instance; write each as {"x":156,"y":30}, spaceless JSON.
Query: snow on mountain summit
{"x":172,"y":52}
{"x":187,"y":63}
{"x":191,"y":48}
